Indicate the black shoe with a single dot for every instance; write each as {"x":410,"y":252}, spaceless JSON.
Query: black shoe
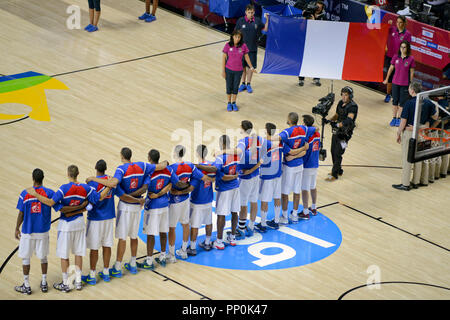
{"x":44,"y":287}
{"x":422,"y":185}
{"x":341,"y":172}
{"x":401,"y":187}
{"x":443,"y":175}
{"x":23,"y":289}
{"x":431,"y":181}
{"x":300,"y":83}
{"x":413,"y":185}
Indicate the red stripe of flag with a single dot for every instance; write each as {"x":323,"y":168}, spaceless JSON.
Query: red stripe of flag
{"x":364,"y":54}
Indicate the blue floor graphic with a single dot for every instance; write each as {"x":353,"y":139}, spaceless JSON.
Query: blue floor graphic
{"x":292,"y":245}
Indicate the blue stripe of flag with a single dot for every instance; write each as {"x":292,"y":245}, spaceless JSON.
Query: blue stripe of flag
{"x":285,"y":45}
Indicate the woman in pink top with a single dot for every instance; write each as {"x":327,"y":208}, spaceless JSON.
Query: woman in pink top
{"x":397,"y":34}
{"x":403,"y":64}
{"x":232,"y":67}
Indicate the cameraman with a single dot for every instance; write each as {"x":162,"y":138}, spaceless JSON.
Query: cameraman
{"x":343,"y":123}
{"x":313,"y":10}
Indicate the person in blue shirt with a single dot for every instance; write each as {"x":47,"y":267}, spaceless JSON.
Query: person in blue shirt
{"x":270,"y":175}
{"x":202,"y":196}
{"x":34,"y":235}
{"x":156,"y":214}
{"x":100,"y":225}
{"x":310,"y":167}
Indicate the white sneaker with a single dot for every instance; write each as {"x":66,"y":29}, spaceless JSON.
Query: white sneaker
{"x":171,"y":258}
{"x":283,"y":220}
{"x":294,"y":218}
{"x":219,"y":246}
{"x":182,"y":254}
{"x":78,"y":285}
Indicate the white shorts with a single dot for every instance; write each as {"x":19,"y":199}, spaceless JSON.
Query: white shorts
{"x":127,"y":221}
{"x":200,"y":214}
{"x":179,"y":212}
{"x":270,"y":189}
{"x":71,"y":242}
{"x":249,"y":190}
{"x":99,"y":234}
{"x":227,"y":202}
{"x":309,"y":178}
{"x":156,"y":221}
{"x":291,"y":179}
{"x":29,"y":245}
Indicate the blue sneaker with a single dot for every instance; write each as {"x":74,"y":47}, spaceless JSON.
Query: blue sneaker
{"x":248,"y":232}
{"x":393,"y":122}
{"x":150,"y":18}
{"x":115,"y":273}
{"x":249,"y":88}
{"x":242,"y":87}
{"x":397,"y":122}
{"x":92,"y":29}
{"x":88,"y":27}
{"x":89,"y":280}
{"x":229,"y":107}
{"x":240,"y":235}
{"x":261,"y":228}
{"x":104,"y":277}
{"x":272,"y":224}
{"x":145,"y":266}
{"x":161,"y":261}
{"x":387,"y":98}
{"x":234,"y":106}
{"x":144,"y":16}
{"x":133,"y":270}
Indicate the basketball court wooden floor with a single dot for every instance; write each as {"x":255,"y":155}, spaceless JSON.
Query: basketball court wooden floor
{"x":156,"y":85}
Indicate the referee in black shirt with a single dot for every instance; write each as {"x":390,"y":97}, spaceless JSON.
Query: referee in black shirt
{"x":251,"y":28}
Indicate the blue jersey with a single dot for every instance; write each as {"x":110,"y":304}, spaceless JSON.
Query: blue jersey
{"x":294,"y":137}
{"x":131,"y":175}
{"x":249,"y":160}
{"x":311,"y":158}
{"x":203,"y":190}
{"x":157,"y":181}
{"x":226,"y":164}
{"x":185,"y":171}
{"x":74,"y":194}
{"x":272,"y":155}
{"x":36,"y":215}
{"x":104,"y":209}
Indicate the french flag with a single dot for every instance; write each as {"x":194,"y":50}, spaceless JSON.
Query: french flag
{"x":325,"y":49}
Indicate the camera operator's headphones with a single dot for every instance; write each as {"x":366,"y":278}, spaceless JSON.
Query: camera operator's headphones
{"x":349,"y":90}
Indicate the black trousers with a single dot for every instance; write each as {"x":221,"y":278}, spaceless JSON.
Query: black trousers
{"x":336,"y":154}
{"x":233,"y":79}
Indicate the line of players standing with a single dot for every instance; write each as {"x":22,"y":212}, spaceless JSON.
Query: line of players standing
{"x":256,"y":169}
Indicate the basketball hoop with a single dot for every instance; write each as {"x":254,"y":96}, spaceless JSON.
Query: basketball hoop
{"x":436,"y":135}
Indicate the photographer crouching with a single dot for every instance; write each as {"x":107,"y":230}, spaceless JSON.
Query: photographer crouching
{"x":343,"y":123}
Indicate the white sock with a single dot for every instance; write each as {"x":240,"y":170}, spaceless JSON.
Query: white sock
{"x":92,"y":273}
{"x":133,"y":261}
{"x":251,"y":224}
{"x":193,"y":245}
{"x":305,"y":211}
{"x":149,"y":260}
{"x":44,"y":278}
{"x":65,"y":277}
{"x":264,"y":218}
{"x":118,"y":265}
{"x":106,"y":271}
{"x":162,"y":255}
{"x":184,"y":245}
{"x":172,"y":250}
{"x":26,"y":280}
{"x":313,"y":206}
{"x":78,"y":275}
{"x":277,"y":214}
{"x":284,"y":213}
{"x":208,"y":240}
